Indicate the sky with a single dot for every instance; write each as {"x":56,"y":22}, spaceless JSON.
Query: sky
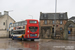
{"x":25,"y":9}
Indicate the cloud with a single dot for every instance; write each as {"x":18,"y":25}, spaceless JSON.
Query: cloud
{"x":23,"y":8}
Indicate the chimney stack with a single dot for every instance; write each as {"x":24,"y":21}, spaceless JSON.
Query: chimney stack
{"x":6,"y":12}
{"x":40,"y":13}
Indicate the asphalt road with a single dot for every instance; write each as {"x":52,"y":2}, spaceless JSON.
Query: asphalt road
{"x":46,"y":44}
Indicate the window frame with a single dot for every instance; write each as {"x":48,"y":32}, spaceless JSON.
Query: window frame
{"x":3,"y":23}
{"x":52,"y":22}
{"x":61,"y":16}
{"x":60,"y":22}
{"x":45,"y":23}
{"x":61,"y":28}
{"x":45,"y":16}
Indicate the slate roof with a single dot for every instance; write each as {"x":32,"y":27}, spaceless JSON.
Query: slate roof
{"x":51,"y":15}
{"x":72,"y":18}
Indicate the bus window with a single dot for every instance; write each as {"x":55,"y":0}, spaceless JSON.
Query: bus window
{"x":20,"y":23}
{"x":33,"y":29}
{"x":23,"y":32}
{"x":25,"y":22}
{"x":18,"y":32}
{"x":11,"y":25}
{"x":33,"y":21}
{"x":16,"y":24}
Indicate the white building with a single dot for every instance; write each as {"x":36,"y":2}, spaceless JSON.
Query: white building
{"x":5,"y":20}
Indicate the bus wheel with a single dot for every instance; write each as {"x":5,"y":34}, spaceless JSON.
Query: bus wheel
{"x":22,"y":39}
{"x":32,"y":39}
{"x":12,"y":38}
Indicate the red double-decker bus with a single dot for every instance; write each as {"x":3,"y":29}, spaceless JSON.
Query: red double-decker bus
{"x":28,"y":29}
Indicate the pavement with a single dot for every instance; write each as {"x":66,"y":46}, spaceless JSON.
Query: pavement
{"x":41,"y":44}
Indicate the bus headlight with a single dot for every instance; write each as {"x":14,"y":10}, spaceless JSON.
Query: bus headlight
{"x":28,"y":31}
{"x":28,"y":35}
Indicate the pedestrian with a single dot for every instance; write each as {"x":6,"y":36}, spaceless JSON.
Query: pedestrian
{"x":69,"y":32}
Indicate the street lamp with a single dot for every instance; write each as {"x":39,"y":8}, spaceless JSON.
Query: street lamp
{"x":55,"y":17}
{"x":31,"y":16}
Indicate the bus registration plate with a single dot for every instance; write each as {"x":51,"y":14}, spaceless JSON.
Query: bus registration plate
{"x":33,"y":34}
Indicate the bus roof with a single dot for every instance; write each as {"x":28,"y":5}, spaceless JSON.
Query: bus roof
{"x":31,"y":19}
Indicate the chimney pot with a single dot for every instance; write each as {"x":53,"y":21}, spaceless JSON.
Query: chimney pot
{"x":5,"y":12}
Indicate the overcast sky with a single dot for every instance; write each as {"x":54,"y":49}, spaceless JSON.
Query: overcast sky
{"x":23,"y":8}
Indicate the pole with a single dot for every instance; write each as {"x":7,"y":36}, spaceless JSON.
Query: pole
{"x":55,"y":17}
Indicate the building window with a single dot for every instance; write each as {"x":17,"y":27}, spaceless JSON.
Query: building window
{"x":53,"y":21}
{"x":4,"y":23}
{"x":45,"y":16}
{"x":61,"y":16}
{"x":61,"y":22}
{"x":60,"y":28}
{"x":45,"y":21}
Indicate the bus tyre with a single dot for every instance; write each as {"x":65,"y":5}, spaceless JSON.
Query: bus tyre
{"x":22,"y":39}
{"x":32,"y":39}
{"x":12,"y":38}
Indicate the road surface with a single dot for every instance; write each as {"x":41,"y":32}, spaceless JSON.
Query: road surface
{"x":46,"y":44}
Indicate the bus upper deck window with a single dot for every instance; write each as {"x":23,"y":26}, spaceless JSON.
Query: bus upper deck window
{"x":33,"y":21}
{"x":25,"y":22}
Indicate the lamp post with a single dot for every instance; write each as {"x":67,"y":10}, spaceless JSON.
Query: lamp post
{"x":31,"y":16}
{"x":55,"y":17}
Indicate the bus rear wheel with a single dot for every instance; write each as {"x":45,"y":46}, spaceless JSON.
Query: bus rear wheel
{"x":12,"y":38}
{"x":32,"y":39}
{"x":22,"y":39}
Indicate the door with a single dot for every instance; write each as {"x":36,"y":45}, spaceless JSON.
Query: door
{"x":46,"y":32}
{"x":71,"y":35}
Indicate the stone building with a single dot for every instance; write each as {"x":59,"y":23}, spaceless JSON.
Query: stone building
{"x":71,"y":27}
{"x":5,"y":19}
{"x":72,"y":19}
{"x":47,"y":24}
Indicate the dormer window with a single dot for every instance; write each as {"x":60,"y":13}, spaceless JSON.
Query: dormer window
{"x":61,"y":16}
{"x":45,"y":16}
